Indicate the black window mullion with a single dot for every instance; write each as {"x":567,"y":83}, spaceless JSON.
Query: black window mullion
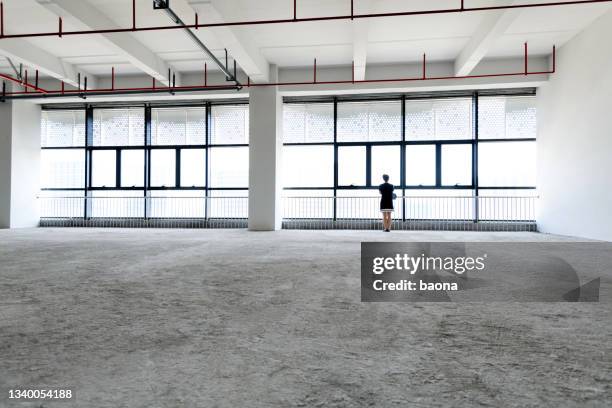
{"x":335,"y":210}
{"x":368,"y":165}
{"x":403,"y":158}
{"x":147,"y":158}
{"x":88,"y":142}
{"x":438,"y":165}
{"x":475,"y":130}
{"x":118,"y":168}
{"x":177,"y":172}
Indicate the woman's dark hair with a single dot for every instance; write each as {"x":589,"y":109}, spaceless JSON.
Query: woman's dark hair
{"x":386,"y":177}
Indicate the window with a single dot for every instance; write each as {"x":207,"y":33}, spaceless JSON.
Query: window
{"x":229,"y":167}
{"x":63,"y":168}
{"x":163,"y":168}
{"x":308,"y":123}
{"x":421,"y":165}
{"x":177,"y":204}
{"x":178,"y":126}
{"x":507,"y":118}
{"x":132,"y":168}
{"x":118,"y":127}
{"x":308,"y":166}
{"x":442,"y":119}
{"x":63,"y":128}
{"x":369,"y":121}
{"x":193,"y":168}
{"x":507,"y":164}
{"x":457,"y":165}
{"x":352,"y":166}
{"x":386,"y":160}
{"x":104,"y":168}
{"x":230,"y":124}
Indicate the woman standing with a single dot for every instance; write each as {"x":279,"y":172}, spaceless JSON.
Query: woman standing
{"x":386,"y":202}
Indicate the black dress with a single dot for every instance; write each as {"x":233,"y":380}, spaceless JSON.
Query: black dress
{"x":386,"y":199}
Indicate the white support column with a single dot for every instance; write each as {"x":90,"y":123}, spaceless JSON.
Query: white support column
{"x":19,"y":164}
{"x":265,"y":148}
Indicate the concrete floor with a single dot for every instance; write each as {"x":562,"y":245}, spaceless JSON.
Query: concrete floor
{"x":228,"y":318}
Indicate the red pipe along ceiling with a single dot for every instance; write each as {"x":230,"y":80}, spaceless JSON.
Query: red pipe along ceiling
{"x":295,"y":19}
{"x":39,"y":92}
{"x":33,"y":90}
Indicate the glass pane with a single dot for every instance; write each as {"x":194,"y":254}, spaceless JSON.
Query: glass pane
{"x":228,"y":204}
{"x":184,"y":126}
{"x":62,"y":168}
{"x":230,"y":124}
{"x":63,"y":128}
{"x":117,"y":204}
{"x":103,"y":168}
{"x":69,"y":203}
{"x":177,"y":204}
{"x":361,"y":204}
{"x":308,"y":166}
{"x":308,"y":204}
{"x":118,"y":127}
{"x":308,"y":123}
{"x":507,"y":118}
{"x":132,"y":168}
{"x":443,"y":119}
{"x":163,"y":168}
{"x":229,"y":167}
{"x":386,"y":160}
{"x":193,"y":168}
{"x":421,"y":165}
{"x":439,"y":204}
{"x":457,"y":165}
{"x":507,"y":164}
{"x":352,"y":166}
{"x":369,"y":121}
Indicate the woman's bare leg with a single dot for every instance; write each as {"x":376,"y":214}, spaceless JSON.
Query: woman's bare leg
{"x":389,"y":220}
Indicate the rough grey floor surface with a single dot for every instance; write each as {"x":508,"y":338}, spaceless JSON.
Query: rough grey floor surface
{"x":222,"y":318}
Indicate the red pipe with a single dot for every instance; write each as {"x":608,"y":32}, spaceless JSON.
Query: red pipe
{"x":554,"y":58}
{"x":113,"y":77}
{"x":196,"y":21}
{"x":60,"y":27}
{"x":526,"y":60}
{"x":315,"y":71}
{"x":212,"y":87}
{"x":353,"y":71}
{"x":424,"y":66}
{"x":133,"y":15}
{"x":26,"y":80}
{"x":1,"y":19}
{"x":309,"y":19}
{"x":294,"y":10}
{"x":205,"y":74}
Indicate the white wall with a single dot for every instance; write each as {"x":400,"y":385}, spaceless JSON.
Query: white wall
{"x":575,"y":138}
{"x":19,"y":164}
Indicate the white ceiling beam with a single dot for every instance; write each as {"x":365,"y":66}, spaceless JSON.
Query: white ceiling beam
{"x":239,"y":46}
{"x":492,"y":27}
{"x":26,"y":53}
{"x":361,"y":30}
{"x":84,"y":14}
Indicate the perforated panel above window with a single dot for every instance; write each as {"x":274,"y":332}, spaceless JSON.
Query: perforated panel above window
{"x":184,"y":126}
{"x":369,"y":121}
{"x":63,"y":128}
{"x":308,"y":123}
{"x":230,"y":124}
{"x":507,"y":118}
{"x":118,"y":127}
{"x":442,"y":119}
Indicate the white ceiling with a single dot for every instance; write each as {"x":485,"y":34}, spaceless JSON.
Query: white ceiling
{"x":389,"y":40}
